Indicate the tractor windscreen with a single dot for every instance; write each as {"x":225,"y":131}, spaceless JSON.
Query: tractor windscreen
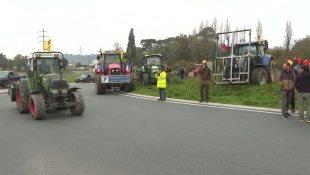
{"x":243,"y":50}
{"x":153,"y":61}
{"x":4,"y":73}
{"x":48,"y":66}
{"x":111,"y":59}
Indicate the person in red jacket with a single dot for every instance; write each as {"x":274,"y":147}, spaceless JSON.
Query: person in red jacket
{"x":299,"y":63}
{"x":306,"y":62}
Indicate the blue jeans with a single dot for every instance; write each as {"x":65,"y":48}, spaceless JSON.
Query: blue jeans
{"x":298,"y":67}
{"x":162,"y":92}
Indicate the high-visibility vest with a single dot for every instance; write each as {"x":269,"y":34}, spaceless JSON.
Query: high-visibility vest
{"x":161,"y":80}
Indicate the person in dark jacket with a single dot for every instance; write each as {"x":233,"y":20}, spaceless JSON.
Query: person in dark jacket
{"x":205,"y":77}
{"x":302,"y":84}
{"x":295,"y":62}
{"x":293,"y":92}
{"x":181,"y":72}
{"x":286,"y":79}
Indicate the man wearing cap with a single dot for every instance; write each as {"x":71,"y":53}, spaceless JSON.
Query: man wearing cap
{"x":293,"y":92}
{"x":205,"y":78}
{"x":161,"y":83}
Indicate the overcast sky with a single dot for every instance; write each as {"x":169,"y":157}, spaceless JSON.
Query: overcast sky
{"x":99,"y":23}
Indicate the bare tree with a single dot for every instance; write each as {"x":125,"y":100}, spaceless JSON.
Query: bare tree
{"x":288,"y":37}
{"x":227,"y":28}
{"x":194,"y":31}
{"x":201,"y":27}
{"x":221,"y":31}
{"x":236,"y":36}
{"x":117,"y":45}
{"x":214,"y":25}
{"x":207,"y":23}
{"x":259,"y":29}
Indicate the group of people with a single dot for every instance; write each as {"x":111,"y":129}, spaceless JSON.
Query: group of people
{"x":183,"y":73}
{"x":295,"y":76}
{"x":205,"y":78}
{"x":297,"y":63}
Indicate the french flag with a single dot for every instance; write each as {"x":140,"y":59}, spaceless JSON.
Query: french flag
{"x":226,"y":44}
{"x":127,"y":68}
{"x":100,"y":68}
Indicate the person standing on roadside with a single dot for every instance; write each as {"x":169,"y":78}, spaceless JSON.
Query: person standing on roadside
{"x":286,"y":79}
{"x":205,"y":77}
{"x":181,"y":72}
{"x":306,"y":62}
{"x":185,"y":73}
{"x":299,"y":63}
{"x":302,"y":84}
{"x":161,"y":83}
{"x":293,"y":92}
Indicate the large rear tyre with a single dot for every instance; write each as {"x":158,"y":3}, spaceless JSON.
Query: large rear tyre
{"x":145,"y":80}
{"x":100,"y":88}
{"x":132,"y":85}
{"x":259,"y":76}
{"x":37,"y":106}
{"x":79,"y":108}
{"x":271,"y":72}
{"x":22,"y":101}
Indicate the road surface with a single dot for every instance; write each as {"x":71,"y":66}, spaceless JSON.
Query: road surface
{"x":126,"y":135}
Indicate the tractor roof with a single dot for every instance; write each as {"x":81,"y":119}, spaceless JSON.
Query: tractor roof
{"x":44,"y":55}
{"x":247,"y":43}
{"x":152,"y":55}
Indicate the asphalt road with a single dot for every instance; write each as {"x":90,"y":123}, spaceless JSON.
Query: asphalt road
{"x":125,"y":135}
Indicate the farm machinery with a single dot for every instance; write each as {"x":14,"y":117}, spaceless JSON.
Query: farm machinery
{"x":244,"y":62}
{"x":112,"y":71}
{"x":151,"y":67}
{"x":44,"y":86}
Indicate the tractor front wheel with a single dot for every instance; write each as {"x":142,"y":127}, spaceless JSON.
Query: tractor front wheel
{"x":145,"y":80}
{"x":271,"y":72}
{"x":259,"y":76}
{"x":37,"y":106}
{"x":132,"y":85}
{"x":79,"y":108}
{"x":100,"y":88}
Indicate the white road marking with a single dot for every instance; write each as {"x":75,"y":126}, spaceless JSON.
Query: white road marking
{"x":202,"y":105}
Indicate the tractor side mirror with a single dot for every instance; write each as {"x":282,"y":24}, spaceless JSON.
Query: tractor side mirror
{"x":34,"y":65}
{"x":63,"y":64}
{"x":98,"y":57}
{"x":266,"y":46}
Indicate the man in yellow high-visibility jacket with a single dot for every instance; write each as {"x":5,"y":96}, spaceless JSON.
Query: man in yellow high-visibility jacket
{"x":161,"y":83}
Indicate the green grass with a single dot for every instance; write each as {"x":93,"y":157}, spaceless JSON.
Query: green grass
{"x":268,"y":95}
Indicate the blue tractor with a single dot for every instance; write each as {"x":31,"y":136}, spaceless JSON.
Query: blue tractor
{"x":244,"y":62}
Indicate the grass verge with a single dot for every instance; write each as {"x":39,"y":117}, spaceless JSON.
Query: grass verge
{"x":268,"y":95}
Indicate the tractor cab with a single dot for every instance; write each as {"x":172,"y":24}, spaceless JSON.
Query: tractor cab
{"x":113,"y":63}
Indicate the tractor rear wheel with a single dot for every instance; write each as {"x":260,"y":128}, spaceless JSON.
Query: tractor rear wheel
{"x":259,"y":76}
{"x":145,"y":80}
{"x":22,"y":101}
{"x":271,"y":72}
{"x":132,"y":85}
{"x":100,"y":88}
{"x":37,"y":106}
{"x":79,"y":108}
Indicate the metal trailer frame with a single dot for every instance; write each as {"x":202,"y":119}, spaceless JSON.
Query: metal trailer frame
{"x":232,"y":80}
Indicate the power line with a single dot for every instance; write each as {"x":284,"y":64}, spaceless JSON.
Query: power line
{"x":43,"y":32}
{"x":80,"y":50}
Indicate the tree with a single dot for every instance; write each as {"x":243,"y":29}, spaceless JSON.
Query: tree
{"x":227,"y":28}
{"x":20,"y":61}
{"x":259,"y":29}
{"x":214,"y":25}
{"x":201,"y":27}
{"x":3,"y":61}
{"x":237,"y":36}
{"x":117,"y":45}
{"x":194,"y":31}
{"x":148,"y":44}
{"x":79,"y":64}
{"x":288,"y":37}
{"x":131,"y":46}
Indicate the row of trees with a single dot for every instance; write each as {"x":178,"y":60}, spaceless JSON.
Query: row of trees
{"x":19,"y":62}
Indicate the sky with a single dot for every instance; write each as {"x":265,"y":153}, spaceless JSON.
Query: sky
{"x":98,"y":23}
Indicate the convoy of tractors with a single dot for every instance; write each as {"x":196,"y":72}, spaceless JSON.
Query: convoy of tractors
{"x":45,"y":87}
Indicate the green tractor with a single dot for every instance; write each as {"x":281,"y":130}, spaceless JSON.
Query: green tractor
{"x":150,"y":68}
{"x":44,"y":86}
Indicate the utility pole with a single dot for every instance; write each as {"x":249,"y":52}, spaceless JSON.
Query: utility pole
{"x":43,"y":32}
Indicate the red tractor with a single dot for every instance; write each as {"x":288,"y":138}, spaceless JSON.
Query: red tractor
{"x":197,"y":67}
{"x":113,"y":72}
